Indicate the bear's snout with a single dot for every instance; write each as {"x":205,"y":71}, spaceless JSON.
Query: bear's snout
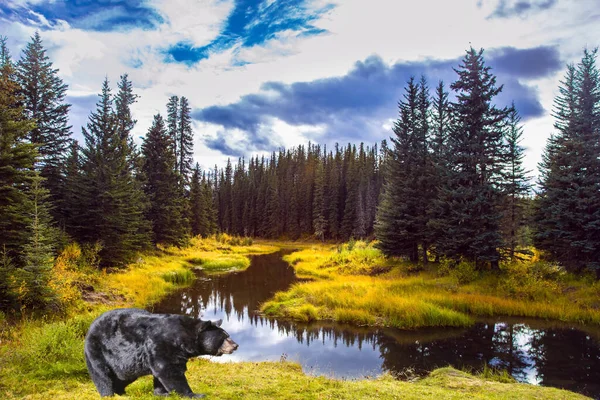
{"x":228,"y":346}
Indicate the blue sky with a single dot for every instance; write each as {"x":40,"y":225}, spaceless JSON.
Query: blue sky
{"x":261,"y":74}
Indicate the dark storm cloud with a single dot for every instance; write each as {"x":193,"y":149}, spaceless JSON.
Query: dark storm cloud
{"x":520,"y":8}
{"x":536,"y":62}
{"x":355,"y":106}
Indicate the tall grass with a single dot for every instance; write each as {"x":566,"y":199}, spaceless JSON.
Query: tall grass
{"x":347,"y":286}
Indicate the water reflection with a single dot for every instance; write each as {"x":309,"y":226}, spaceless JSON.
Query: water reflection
{"x":531,"y":351}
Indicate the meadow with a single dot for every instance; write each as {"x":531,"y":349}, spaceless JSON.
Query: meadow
{"x":42,"y":358}
{"x":355,"y":283}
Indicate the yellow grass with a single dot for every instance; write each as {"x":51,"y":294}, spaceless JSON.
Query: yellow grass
{"x":355,"y":283}
{"x":43,"y":359}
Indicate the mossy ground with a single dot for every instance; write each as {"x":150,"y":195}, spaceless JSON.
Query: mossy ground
{"x":43,"y":358}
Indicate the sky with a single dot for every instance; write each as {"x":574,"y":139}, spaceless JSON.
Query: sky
{"x":266,"y":74}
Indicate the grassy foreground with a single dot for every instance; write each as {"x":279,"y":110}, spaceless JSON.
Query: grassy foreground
{"x":43,"y":358}
{"x":354,"y":283}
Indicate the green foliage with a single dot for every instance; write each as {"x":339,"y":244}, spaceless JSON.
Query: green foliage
{"x":17,"y":158}
{"x":179,"y":277}
{"x":44,"y":101}
{"x":567,"y":213}
{"x":166,"y":210}
{"x":54,"y":349}
{"x":31,"y":282}
{"x":107,"y":194}
{"x":462,"y":271}
{"x":403,"y":212}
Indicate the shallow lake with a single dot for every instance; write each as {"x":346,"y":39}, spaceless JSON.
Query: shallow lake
{"x":533,"y":351}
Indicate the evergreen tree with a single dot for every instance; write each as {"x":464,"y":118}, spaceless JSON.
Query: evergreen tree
{"x":199,"y":219}
{"x":401,"y":226}
{"x":166,"y":211}
{"x":441,"y":123}
{"x":109,"y":194}
{"x":172,"y":123}
{"x":516,"y":182}
{"x":17,"y":158}
{"x":209,"y":206}
{"x":71,"y":206}
{"x":33,"y":279}
{"x":185,"y":140}
{"x":43,"y":94}
{"x":568,"y":212}
{"x":319,"y":222}
{"x":470,"y":197}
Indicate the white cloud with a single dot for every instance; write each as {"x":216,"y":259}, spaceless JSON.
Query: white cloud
{"x":393,"y":30}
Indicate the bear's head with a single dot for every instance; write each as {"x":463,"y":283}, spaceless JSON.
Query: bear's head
{"x":214,"y":340}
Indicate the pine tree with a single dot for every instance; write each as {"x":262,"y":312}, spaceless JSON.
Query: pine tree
{"x":43,"y":94}
{"x":209,"y":206}
{"x":172,"y":123}
{"x":441,"y":123}
{"x":199,"y":219}
{"x":17,"y":158}
{"x":33,"y":279}
{"x":185,"y":140}
{"x":319,"y":222}
{"x":568,"y":211}
{"x":471,"y":194}
{"x":114,"y":213}
{"x":71,"y":206}
{"x":166,"y":204}
{"x":401,"y":226}
{"x":516,"y":182}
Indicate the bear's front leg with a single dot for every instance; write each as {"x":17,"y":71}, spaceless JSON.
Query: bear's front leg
{"x":171,"y":378}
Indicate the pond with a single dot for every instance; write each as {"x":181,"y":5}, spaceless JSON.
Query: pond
{"x":532,"y":351}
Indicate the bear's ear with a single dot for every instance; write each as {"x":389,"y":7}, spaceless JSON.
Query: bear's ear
{"x":218,"y":323}
{"x":203,"y":325}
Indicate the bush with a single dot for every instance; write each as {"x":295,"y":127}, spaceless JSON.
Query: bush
{"x":463,"y":272}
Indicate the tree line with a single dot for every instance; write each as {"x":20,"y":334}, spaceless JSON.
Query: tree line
{"x":451,"y":184}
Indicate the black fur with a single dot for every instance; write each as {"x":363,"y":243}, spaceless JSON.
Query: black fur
{"x":124,"y":344}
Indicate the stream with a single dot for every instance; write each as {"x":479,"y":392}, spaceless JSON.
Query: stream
{"x":532,"y":351}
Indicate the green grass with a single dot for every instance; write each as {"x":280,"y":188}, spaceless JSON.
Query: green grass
{"x":282,"y":380}
{"x":43,"y":359}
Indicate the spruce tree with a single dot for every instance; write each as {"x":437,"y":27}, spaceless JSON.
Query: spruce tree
{"x":198,"y":220}
{"x":172,"y":123}
{"x":166,"y":211}
{"x":568,"y":216}
{"x":17,"y":158}
{"x":114,"y":213}
{"x":38,"y":253}
{"x":319,"y":222}
{"x":209,"y":206}
{"x":516,"y":183}
{"x":43,"y":94}
{"x":469,"y":199}
{"x":185,"y":140}
{"x":401,"y":225}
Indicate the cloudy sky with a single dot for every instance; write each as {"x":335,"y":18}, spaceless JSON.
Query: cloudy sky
{"x":261,"y":74}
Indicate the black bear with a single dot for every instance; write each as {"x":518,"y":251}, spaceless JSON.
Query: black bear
{"x":127,"y":343}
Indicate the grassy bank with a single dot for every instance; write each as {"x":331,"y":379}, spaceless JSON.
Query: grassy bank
{"x":43,"y":358}
{"x":354,"y":283}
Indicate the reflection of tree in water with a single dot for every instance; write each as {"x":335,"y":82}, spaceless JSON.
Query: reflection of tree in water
{"x":569,"y":359}
{"x":536,"y":352}
{"x":266,"y":275}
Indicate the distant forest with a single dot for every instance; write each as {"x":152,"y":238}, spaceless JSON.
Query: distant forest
{"x":450,"y":182}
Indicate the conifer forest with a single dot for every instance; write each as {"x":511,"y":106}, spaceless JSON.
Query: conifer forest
{"x":448,"y":184}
